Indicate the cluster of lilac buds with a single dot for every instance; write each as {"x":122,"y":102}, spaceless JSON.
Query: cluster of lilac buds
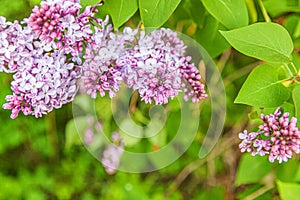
{"x":60,"y":21}
{"x":45,"y":53}
{"x":278,"y":137}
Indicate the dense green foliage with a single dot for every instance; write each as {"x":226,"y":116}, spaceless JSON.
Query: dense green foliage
{"x":45,"y":158}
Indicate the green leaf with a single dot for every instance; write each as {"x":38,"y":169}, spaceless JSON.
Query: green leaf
{"x":121,"y":10}
{"x":292,"y":25}
{"x":210,"y":38}
{"x":155,"y":13}
{"x":252,"y":169}
{"x":265,"y":41}
{"x":296,"y":99}
{"x":262,"y":88}
{"x":287,"y":171}
{"x":195,"y":10}
{"x":231,"y":13}
{"x":276,"y":8}
{"x":288,"y":191}
{"x":85,"y":3}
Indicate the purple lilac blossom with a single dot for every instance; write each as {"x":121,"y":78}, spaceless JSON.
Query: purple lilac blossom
{"x":89,"y":136}
{"x":112,"y":154}
{"x":278,"y":137}
{"x":100,"y":72}
{"x":15,"y":45}
{"x":191,"y":81}
{"x":60,"y":21}
{"x":94,"y":126}
{"x":43,"y":77}
{"x":47,"y":83}
{"x":46,"y":57}
{"x":157,"y":69}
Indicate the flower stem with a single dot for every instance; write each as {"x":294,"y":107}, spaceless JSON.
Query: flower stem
{"x":289,"y":70}
{"x":264,"y":11}
{"x":294,"y":67}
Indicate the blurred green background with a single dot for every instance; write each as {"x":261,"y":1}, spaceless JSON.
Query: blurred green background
{"x":36,"y":163}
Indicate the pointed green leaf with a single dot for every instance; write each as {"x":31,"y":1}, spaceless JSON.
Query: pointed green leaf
{"x":195,"y":10}
{"x":276,"y":8}
{"x":288,"y":191}
{"x":265,"y":41}
{"x":155,"y":13}
{"x":121,"y":10}
{"x":210,"y":38}
{"x":262,"y":88}
{"x":252,"y":169}
{"x":231,"y":13}
{"x":287,"y":171}
{"x":85,"y":3}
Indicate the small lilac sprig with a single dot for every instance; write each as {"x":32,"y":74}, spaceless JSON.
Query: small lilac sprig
{"x":112,"y":154}
{"x":278,"y":137}
{"x":94,"y":126}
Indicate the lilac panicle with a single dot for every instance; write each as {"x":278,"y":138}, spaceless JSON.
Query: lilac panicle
{"x":47,"y":83}
{"x":43,"y":77}
{"x":46,"y":57}
{"x":157,"y":69}
{"x":60,"y":21}
{"x":100,"y":72}
{"x":47,"y":20}
{"x":192,"y":85}
{"x":278,"y":137}
{"x":15,"y":45}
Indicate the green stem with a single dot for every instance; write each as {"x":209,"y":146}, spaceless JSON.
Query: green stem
{"x":289,"y":70}
{"x":264,"y":11}
{"x":252,"y":10}
{"x":294,"y":67}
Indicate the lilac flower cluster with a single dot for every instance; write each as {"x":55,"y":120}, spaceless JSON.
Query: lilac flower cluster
{"x":42,"y":80}
{"x":152,"y":64}
{"x":157,"y":68}
{"x":112,"y":154}
{"x":192,"y":86}
{"x":45,"y":56}
{"x":278,"y":137}
{"x":47,"y":51}
{"x":15,"y":45}
{"x":100,"y":72}
{"x":60,"y":21}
